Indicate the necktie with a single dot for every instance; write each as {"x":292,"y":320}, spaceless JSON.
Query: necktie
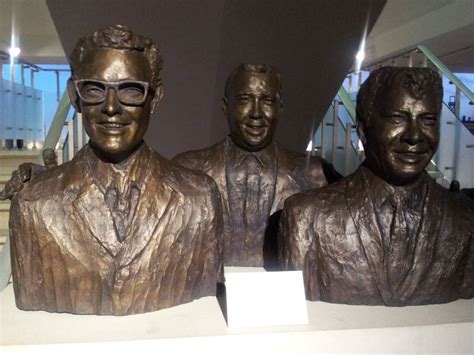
{"x":122,"y":208}
{"x":252,"y":211}
{"x":398,"y":261}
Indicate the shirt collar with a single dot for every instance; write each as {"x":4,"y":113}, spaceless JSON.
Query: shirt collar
{"x":264,"y":157}
{"x":381,"y":192}
{"x":129,"y":169}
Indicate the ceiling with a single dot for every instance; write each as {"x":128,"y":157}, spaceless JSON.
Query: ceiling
{"x":446,"y":27}
{"x":33,"y":27}
{"x":397,"y":12}
{"x":202,"y":40}
{"x":455,"y":49}
{"x":40,"y":42}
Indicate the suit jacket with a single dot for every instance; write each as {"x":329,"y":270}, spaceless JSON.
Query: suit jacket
{"x":333,"y":236}
{"x":66,"y":256}
{"x":295,"y":173}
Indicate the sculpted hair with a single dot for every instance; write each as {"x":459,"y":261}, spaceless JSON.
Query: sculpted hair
{"x":118,"y":37}
{"x":252,"y":68}
{"x":417,"y":81}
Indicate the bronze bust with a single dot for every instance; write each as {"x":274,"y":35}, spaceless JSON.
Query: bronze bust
{"x":254,"y":174}
{"x":387,"y":234}
{"x":119,"y":229}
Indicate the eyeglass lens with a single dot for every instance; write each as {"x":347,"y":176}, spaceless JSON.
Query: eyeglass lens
{"x":127,"y":92}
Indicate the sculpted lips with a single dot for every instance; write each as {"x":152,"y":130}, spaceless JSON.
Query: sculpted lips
{"x":256,"y":130}
{"x":113,"y":127}
{"x":411,"y":156}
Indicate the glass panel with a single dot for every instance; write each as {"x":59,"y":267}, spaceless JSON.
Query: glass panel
{"x":340,"y":157}
{"x":21,"y":112}
{"x":3,"y":99}
{"x":7,"y":114}
{"x":455,"y":154}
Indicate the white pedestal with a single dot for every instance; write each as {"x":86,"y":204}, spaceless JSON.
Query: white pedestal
{"x":256,"y":299}
{"x":200,"y":328}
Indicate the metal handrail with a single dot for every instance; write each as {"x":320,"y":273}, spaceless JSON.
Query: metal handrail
{"x":5,"y":55}
{"x":350,"y":107}
{"x":444,"y":69}
{"x":54,"y":132}
{"x":347,"y":102}
{"x":436,"y":62}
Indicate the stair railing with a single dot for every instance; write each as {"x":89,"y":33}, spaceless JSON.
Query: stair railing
{"x":445,"y":166}
{"x":341,"y":107}
{"x":76,"y":137}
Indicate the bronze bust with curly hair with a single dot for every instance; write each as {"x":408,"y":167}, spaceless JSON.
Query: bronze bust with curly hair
{"x":388,"y":234}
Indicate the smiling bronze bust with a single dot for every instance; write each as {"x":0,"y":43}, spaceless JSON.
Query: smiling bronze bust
{"x":387,"y":234}
{"x":119,"y":229}
{"x":253,"y":172}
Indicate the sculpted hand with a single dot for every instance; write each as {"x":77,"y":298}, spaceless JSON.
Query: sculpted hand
{"x":27,"y":172}
{"x":456,"y":187}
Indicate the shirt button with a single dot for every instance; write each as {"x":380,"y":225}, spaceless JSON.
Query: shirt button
{"x":123,"y":274}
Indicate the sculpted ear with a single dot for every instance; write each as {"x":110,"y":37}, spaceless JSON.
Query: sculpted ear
{"x":361,"y":132}
{"x":225,"y":105}
{"x":159,"y":92}
{"x":71,"y":90}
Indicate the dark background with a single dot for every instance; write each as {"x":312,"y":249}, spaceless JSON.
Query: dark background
{"x":312,"y":42}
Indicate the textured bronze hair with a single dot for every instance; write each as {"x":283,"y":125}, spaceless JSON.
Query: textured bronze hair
{"x":253,"y":68}
{"x":416,"y":80}
{"x":118,"y":37}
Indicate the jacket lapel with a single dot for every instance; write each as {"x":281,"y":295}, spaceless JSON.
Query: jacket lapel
{"x":90,"y":209}
{"x":286,"y":183}
{"x":431,"y":223}
{"x":219,"y":174}
{"x":154,"y":209}
{"x":363,"y":213}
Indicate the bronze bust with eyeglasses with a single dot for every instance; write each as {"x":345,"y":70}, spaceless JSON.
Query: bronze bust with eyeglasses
{"x":387,"y":234}
{"x":119,"y":229}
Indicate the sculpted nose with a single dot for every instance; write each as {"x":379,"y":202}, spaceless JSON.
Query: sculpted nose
{"x":111,"y":105}
{"x":256,"y":111}
{"x":413,"y":134}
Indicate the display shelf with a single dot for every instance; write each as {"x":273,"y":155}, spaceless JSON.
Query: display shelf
{"x":200,"y":327}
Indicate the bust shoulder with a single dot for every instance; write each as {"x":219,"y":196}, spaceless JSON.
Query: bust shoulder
{"x":51,"y":182}
{"x":326,"y":200}
{"x":200,"y":159}
{"x":191,"y":184}
{"x":314,"y":170}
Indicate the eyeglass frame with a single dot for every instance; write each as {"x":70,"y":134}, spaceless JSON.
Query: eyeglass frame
{"x":112,"y":85}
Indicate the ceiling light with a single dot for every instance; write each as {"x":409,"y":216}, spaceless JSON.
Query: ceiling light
{"x":14,"y":51}
{"x":360,"y":56}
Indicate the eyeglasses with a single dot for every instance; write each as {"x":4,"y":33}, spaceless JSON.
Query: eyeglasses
{"x":129,"y":92}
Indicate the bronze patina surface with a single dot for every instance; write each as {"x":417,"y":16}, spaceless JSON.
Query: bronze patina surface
{"x":119,"y":229}
{"x":254,"y":174}
{"x":387,"y":234}
{"x":27,"y":172}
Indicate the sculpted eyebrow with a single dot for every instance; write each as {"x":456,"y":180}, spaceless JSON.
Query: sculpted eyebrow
{"x":395,"y":112}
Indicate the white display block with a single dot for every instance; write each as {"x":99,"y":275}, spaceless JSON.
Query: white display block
{"x":200,"y":328}
{"x":257,"y":299}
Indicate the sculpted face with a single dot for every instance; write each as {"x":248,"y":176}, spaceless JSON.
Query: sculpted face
{"x":252,"y":109}
{"x":113,"y":93}
{"x":402,"y":135}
